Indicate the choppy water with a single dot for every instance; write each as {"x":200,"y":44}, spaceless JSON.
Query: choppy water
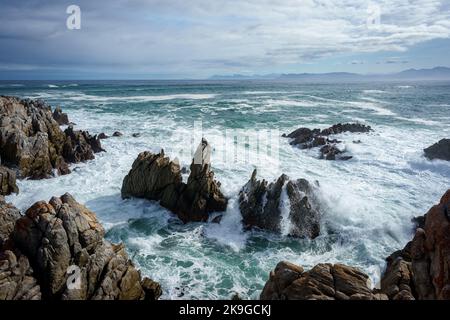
{"x":368,"y":201}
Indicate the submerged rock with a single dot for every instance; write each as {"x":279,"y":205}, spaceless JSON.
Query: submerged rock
{"x":323,"y":282}
{"x":306,"y":138}
{"x":117,"y":134}
{"x":61,"y":246}
{"x":266,"y":206}
{"x":7,"y":181}
{"x":60,"y":117}
{"x":156,"y":177}
{"x":439,"y":150}
{"x":32,"y":142}
{"x":136,"y":135}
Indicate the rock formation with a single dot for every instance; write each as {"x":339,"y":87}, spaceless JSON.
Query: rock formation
{"x":7,"y":181}
{"x":57,"y":251}
{"x":264,"y":205}
{"x":60,"y":117}
{"x":156,"y":177}
{"x":32,"y":142}
{"x":305,"y":138}
{"x":439,"y":150}
{"x":420,"y":271}
{"x":323,"y":282}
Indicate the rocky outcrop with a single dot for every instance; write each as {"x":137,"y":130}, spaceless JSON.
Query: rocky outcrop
{"x":80,"y":146}
{"x":7,"y":181}
{"x":57,"y":251}
{"x":156,"y":177}
{"x":32,"y":142}
{"x":60,"y":117}
{"x":306,"y":138}
{"x":323,"y":282}
{"x":420,"y":271}
{"x":439,"y":150}
{"x":266,"y":206}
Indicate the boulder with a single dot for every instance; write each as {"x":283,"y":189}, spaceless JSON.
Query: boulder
{"x":323,"y":282}
{"x":266,"y":206}
{"x":63,"y":249}
{"x":102,"y":136}
{"x":60,"y":117}
{"x":117,"y":134}
{"x":7,"y":181}
{"x":32,"y":142}
{"x":136,"y":135}
{"x":306,"y":138}
{"x":439,"y":150}
{"x":156,"y":177}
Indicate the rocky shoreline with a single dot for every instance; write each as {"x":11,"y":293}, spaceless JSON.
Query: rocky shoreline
{"x":41,"y":249}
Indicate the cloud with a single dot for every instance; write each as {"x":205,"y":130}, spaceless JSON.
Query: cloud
{"x":203,"y":36}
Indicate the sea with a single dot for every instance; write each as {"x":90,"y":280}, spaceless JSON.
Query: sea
{"x":367,"y":202}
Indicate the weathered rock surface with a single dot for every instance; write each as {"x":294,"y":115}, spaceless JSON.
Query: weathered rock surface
{"x":80,"y":145}
{"x":439,"y":150}
{"x":32,"y":142}
{"x":60,"y":117}
{"x":7,"y":181}
{"x":156,"y":177}
{"x":264,"y":205}
{"x":8,"y":216}
{"x":60,"y":246}
{"x":16,"y":278}
{"x":323,"y":282}
{"x":306,"y":138}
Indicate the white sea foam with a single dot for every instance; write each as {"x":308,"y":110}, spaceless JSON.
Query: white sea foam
{"x":366,"y":203}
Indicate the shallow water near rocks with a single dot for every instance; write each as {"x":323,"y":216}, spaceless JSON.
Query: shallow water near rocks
{"x":367,"y":202}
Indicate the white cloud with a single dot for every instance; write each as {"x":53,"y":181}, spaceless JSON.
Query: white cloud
{"x":179,"y":35}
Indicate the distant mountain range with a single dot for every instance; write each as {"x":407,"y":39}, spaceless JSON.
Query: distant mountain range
{"x":437,"y":73}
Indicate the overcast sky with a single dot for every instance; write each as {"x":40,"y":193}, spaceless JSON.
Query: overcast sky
{"x":199,"y":38}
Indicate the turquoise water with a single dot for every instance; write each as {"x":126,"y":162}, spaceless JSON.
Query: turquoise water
{"x":367,"y":202}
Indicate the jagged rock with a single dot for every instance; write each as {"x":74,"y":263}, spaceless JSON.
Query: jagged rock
{"x":63,"y":236}
{"x":420,"y":270}
{"x":117,"y":134}
{"x":306,"y":138}
{"x":8,"y":216}
{"x":80,"y":145}
{"x":346,"y":127}
{"x":151,"y":288}
{"x":16,"y":278}
{"x":102,"y":136}
{"x":7,"y":181}
{"x":155,"y":177}
{"x":60,"y":117}
{"x":439,"y":150}
{"x":31,"y":141}
{"x":262,"y":205}
{"x":323,"y":282}
{"x":430,"y":253}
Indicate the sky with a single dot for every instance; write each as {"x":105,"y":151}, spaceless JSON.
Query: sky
{"x":175,"y":39}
